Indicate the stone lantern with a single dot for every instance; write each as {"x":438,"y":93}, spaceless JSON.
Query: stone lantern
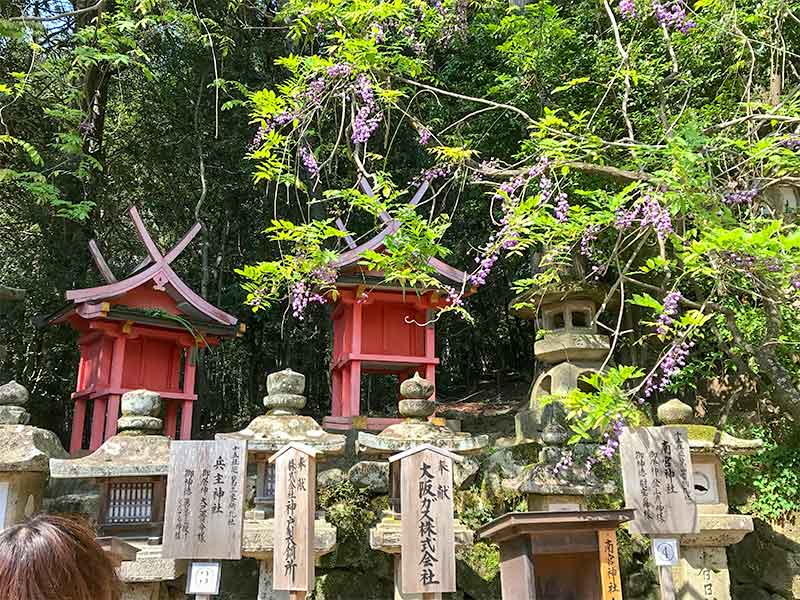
{"x":703,"y":568}
{"x":25,"y":453}
{"x":265,"y":435}
{"x":570,"y":347}
{"x":131,"y":470}
{"x":417,"y":407}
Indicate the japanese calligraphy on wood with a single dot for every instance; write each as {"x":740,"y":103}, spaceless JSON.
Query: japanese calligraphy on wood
{"x":205,"y":500}
{"x":657,"y":477}
{"x":609,"y":564}
{"x":427,"y":538}
{"x":295,"y":507}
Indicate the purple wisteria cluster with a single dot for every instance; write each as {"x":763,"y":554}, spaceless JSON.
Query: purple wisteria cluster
{"x":309,"y":162}
{"x":740,"y":197}
{"x":665,"y":319}
{"x":648,"y":212}
{"x":272,"y":124}
{"x":454,"y":297}
{"x":668,"y":368}
{"x":792,"y":143}
{"x":671,"y":14}
{"x":564,"y":463}
{"x":368,"y":117}
{"x":485,"y":264}
{"x":588,"y":238}
{"x":628,"y":9}
{"x":424,"y":136}
{"x":506,"y":238}
{"x":561,"y":211}
{"x":304,"y":293}
{"x":432,"y":174}
{"x":610,"y":445}
{"x":301,"y":296}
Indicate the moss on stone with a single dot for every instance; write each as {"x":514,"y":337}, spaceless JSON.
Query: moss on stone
{"x":705,"y":433}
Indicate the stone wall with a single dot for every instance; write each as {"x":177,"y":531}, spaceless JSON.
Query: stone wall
{"x":765,"y":565}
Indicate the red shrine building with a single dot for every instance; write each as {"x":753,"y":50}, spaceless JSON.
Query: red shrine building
{"x":380,"y":329}
{"x":139,"y":332}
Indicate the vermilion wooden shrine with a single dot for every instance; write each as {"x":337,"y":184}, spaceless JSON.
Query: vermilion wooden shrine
{"x":140,"y":332}
{"x":378,"y":329}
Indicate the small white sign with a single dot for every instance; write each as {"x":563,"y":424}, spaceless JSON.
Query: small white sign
{"x":204,"y":578}
{"x":665,"y":552}
{"x":3,"y":503}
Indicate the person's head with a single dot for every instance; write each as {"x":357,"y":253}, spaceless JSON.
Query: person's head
{"x":54,"y":558}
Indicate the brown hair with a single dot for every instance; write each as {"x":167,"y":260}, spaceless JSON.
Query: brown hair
{"x":54,"y":558}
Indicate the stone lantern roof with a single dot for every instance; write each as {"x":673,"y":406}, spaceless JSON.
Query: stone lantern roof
{"x":23,"y":448}
{"x":704,"y":439}
{"x":282,"y":424}
{"x":416,"y":406}
{"x":138,"y":450}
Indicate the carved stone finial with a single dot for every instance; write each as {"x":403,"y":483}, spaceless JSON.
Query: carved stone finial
{"x":675,"y":412}
{"x":13,"y":398}
{"x":416,"y":403}
{"x":141,"y":412}
{"x":285,"y":392}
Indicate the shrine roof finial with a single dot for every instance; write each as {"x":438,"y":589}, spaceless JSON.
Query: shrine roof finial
{"x":156,"y":267}
{"x":355,"y":252}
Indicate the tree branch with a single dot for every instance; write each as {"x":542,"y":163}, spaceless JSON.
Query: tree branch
{"x":98,"y":6}
{"x":584,"y":167}
{"x":431,"y":88}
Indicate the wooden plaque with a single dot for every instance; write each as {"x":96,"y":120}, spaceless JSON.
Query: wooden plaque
{"x":295,"y":507}
{"x":609,"y":564}
{"x":427,"y":538}
{"x":205,"y":500}
{"x":657,"y":477}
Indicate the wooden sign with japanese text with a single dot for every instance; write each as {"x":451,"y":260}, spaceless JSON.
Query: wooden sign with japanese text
{"x":427,"y":536}
{"x":657,"y":477}
{"x":295,"y":508}
{"x":609,"y":564}
{"x":205,"y":500}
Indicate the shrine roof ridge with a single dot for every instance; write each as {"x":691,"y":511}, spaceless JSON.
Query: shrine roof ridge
{"x":156,"y":267}
{"x":354,"y":254}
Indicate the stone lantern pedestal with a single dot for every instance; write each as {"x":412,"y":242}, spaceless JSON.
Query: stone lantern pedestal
{"x":265,"y":435}
{"x":25,"y":453}
{"x":386,"y":537}
{"x":703,"y":568}
{"x":416,"y":407}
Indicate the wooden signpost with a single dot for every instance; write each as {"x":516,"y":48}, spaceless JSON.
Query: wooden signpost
{"x":428,"y":558}
{"x":609,"y":564}
{"x":657,"y":477}
{"x":205,"y":500}
{"x":295,"y":508}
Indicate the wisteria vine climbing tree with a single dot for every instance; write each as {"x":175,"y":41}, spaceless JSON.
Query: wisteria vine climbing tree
{"x":660,"y":161}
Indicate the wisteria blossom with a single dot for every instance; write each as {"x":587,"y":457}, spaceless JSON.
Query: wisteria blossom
{"x":561,"y":211}
{"x":668,"y":368}
{"x":665,"y":319}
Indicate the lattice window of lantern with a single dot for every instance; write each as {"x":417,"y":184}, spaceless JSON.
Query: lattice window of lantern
{"x":269,"y":482}
{"x":130,"y":502}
